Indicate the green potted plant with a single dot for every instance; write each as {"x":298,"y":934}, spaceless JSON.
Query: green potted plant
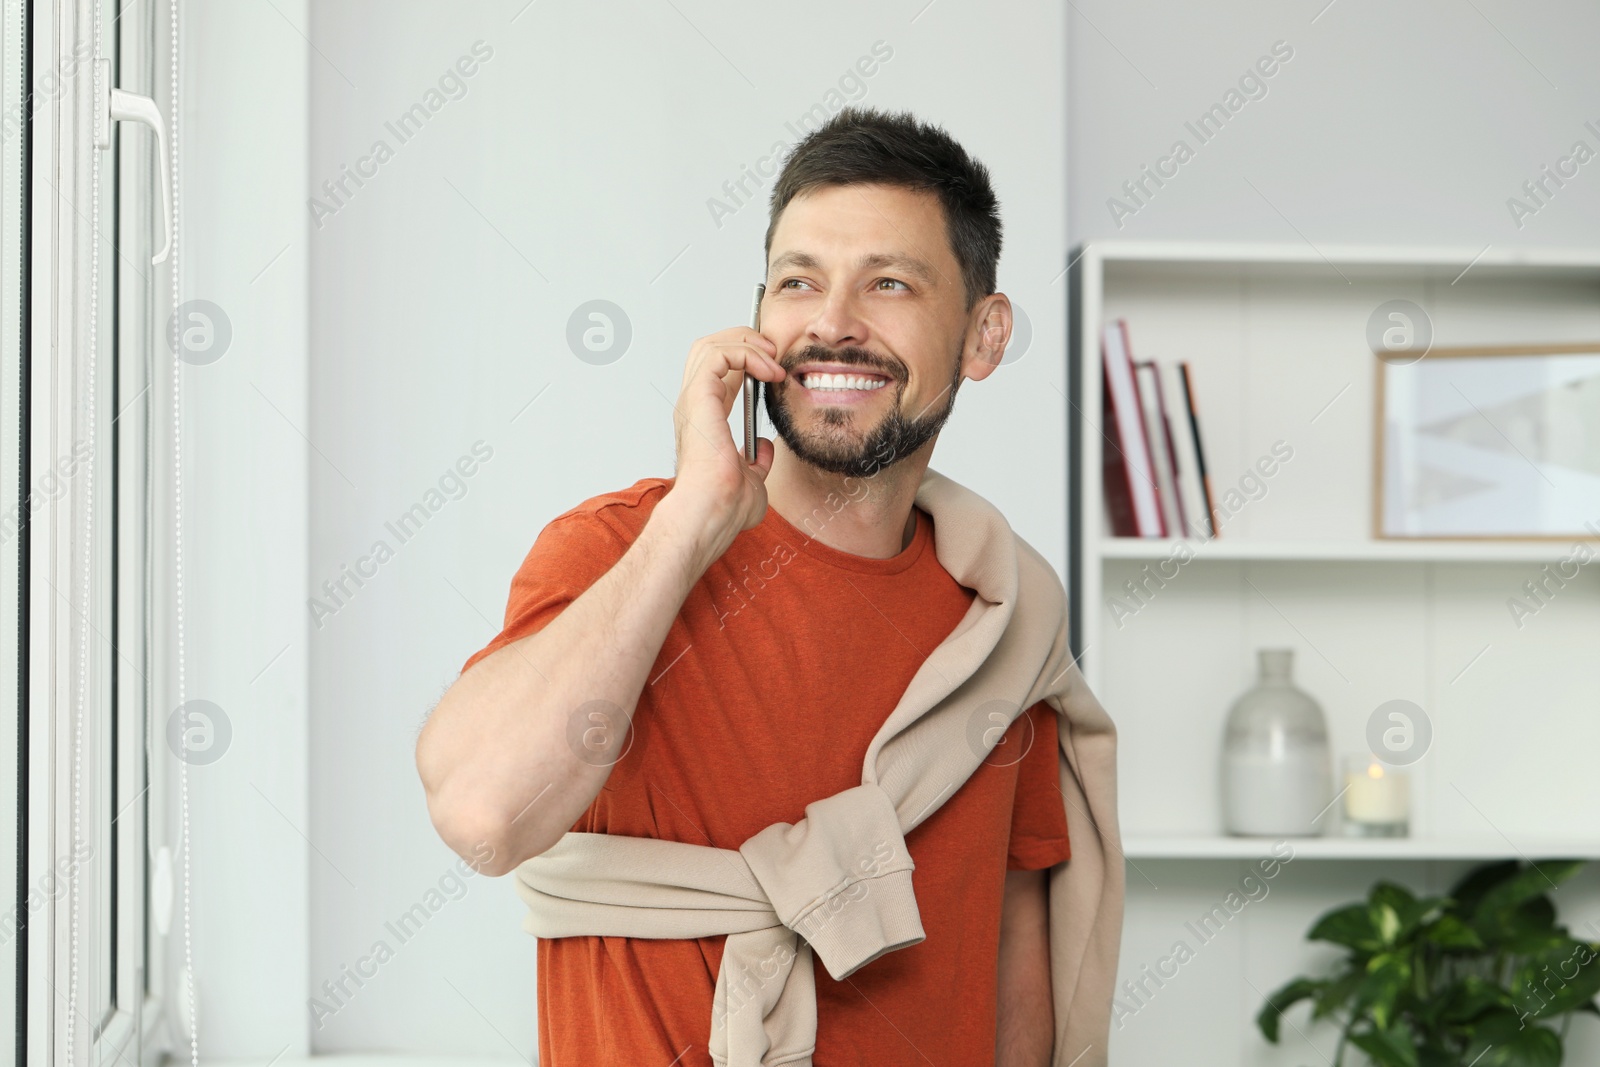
{"x":1480,"y":976}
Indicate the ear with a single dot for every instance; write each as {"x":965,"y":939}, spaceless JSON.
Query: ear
{"x":987,"y":336}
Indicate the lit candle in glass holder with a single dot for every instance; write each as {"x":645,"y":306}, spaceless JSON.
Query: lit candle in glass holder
{"x":1377,"y":798}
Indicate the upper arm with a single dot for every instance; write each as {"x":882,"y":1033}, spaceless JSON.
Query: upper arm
{"x":569,"y":555}
{"x":1025,"y":903}
{"x":1024,"y":927}
{"x":1025,"y":1009}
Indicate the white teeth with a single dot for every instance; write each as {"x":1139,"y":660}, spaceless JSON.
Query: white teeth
{"x":841,"y":382}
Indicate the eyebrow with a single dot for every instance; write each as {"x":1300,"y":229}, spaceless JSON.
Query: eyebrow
{"x":870,"y":261}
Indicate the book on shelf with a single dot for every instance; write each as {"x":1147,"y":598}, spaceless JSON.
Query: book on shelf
{"x":1168,"y":490}
{"x":1125,"y":455}
{"x":1191,"y":453}
{"x":1153,"y":463}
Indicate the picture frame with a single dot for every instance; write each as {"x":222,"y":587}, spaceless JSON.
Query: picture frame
{"x":1490,"y":442}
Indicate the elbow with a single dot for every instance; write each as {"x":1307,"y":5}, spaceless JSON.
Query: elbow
{"x":463,"y":822}
{"x":471,"y":818}
{"x":477,"y":828}
{"x":474,"y":834}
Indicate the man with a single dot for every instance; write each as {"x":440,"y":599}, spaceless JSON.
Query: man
{"x":700,"y":657}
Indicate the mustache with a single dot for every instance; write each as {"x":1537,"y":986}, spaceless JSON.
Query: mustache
{"x":851,"y":356}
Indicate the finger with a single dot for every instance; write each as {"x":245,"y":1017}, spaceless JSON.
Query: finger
{"x":744,"y":335}
{"x":711,"y":398}
{"x":764,"y":453}
{"x":762,"y":341}
{"x":756,"y":362}
{"x":722,"y":379}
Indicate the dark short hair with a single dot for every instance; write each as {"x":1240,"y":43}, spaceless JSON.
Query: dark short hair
{"x":864,"y":145}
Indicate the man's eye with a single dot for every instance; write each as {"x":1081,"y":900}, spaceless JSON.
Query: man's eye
{"x":896,"y":281}
{"x":785,"y":283}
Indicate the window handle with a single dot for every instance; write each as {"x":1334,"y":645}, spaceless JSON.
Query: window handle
{"x":122,"y":106}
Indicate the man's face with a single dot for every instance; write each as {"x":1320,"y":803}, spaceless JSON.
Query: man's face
{"x":866,"y":305}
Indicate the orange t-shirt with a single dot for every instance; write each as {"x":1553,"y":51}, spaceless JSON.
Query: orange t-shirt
{"x":784,"y":661}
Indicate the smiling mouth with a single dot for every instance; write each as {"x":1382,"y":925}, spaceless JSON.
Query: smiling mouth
{"x":833,"y":382}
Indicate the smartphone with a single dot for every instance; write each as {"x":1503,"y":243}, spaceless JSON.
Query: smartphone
{"x":752,"y":384}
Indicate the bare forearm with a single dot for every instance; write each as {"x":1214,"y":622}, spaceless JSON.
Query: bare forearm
{"x":520,"y":745}
{"x":1025,"y":1024}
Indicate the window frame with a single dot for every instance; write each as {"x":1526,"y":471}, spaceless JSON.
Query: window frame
{"x":123,"y":805}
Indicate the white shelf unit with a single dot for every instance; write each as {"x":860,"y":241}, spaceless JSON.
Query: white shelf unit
{"x":1275,"y":336}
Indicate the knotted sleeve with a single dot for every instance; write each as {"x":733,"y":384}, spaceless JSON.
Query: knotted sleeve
{"x":841,"y":878}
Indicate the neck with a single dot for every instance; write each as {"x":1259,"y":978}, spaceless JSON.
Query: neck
{"x":869,"y":516}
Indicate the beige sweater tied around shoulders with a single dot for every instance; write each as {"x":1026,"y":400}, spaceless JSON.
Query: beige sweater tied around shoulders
{"x":839,"y":882}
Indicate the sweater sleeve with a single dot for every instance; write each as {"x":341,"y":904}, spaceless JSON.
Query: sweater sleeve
{"x":569,"y":555}
{"x":1038,"y":815}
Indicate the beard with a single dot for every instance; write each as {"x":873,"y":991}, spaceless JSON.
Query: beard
{"x":832,"y":446}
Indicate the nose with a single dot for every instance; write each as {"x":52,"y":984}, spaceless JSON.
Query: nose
{"x":838,"y":321}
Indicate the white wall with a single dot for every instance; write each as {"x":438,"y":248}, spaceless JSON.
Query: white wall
{"x":1392,"y":123}
{"x":577,"y":166}
{"x":243,"y":151}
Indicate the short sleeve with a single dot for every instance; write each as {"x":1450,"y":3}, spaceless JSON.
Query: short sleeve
{"x":569,"y":555}
{"x":1038,"y":816}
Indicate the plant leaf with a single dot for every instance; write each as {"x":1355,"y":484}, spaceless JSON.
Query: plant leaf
{"x":1386,"y":921}
{"x":1531,"y":927}
{"x":1434,"y":1056}
{"x":1556,"y":980}
{"x":1336,"y":993}
{"x":1502,"y":1039}
{"x":1472,"y":886}
{"x":1493,"y":911}
{"x":1388,"y":1047}
{"x":1421,"y":913}
{"x":1470,"y":998}
{"x":1452,"y":935}
{"x":1393,"y":894}
{"x":1387,"y":976}
{"x":1280,"y":1002}
{"x":1349,"y":926}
